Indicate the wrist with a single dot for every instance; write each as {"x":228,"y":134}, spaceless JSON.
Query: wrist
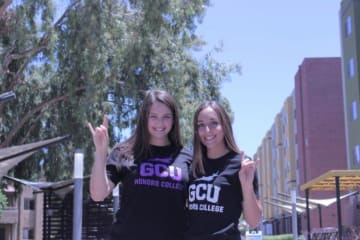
{"x":247,"y":187}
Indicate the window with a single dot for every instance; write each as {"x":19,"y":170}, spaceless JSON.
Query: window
{"x":283,"y":129}
{"x":29,"y":204}
{"x":354,"y":110}
{"x":357,"y":154}
{"x":28,"y":233}
{"x":348,"y":27}
{"x":351,"y":68}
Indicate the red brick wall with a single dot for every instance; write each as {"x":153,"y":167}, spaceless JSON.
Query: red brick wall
{"x":320,"y":126}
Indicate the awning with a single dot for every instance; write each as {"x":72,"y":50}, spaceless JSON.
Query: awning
{"x":61,"y":188}
{"x":333,"y":180}
{"x":11,"y":156}
{"x":288,"y":202}
{"x":321,"y":202}
{"x":348,"y":180}
{"x":6,"y":165}
{"x":314,"y":203}
{"x":286,"y":207}
{"x":15,"y":151}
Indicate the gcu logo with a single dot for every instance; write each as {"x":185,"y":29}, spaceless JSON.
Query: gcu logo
{"x":160,"y":170}
{"x":204,"y":191}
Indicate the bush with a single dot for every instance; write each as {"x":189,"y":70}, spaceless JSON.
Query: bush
{"x":278,"y":237}
{"x":3,"y":201}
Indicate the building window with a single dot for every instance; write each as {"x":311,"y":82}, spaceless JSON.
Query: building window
{"x":28,"y":233}
{"x":29,"y":204}
{"x":354,"y":110}
{"x":351,"y":68}
{"x":357,"y":154}
{"x":348,"y":26}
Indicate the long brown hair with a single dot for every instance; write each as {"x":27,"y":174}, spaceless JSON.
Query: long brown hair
{"x":139,"y":142}
{"x":199,"y":149}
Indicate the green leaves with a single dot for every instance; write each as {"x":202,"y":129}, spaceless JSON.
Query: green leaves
{"x":3,"y":201}
{"x":63,"y":71}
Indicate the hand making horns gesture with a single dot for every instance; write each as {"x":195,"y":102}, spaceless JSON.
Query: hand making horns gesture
{"x":100,"y":135}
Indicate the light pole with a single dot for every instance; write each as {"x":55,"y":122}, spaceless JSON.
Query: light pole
{"x":116,"y":201}
{"x":78,"y":194}
{"x":294,"y":213}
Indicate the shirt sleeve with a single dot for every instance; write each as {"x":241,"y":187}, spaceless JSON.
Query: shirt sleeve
{"x":114,"y":171}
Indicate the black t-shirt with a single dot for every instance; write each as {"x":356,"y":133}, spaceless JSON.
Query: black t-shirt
{"x":153,"y":196}
{"x":215,"y":200}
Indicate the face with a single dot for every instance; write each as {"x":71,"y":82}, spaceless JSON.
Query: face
{"x":210,"y":131}
{"x":160,"y":122}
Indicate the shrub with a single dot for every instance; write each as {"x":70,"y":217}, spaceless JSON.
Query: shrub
{"x":278,"y":237}
{"x":3,"y":201}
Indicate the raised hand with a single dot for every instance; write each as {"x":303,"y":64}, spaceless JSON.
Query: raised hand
{"x":247,"y":171}
{"x":100,"y":135}
{"x":100,"y":185}
{"x":251,"y":204}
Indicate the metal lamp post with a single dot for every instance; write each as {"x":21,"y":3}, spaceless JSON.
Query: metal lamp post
{"x":78,"y":194}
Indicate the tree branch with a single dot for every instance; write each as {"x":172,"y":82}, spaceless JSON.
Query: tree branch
{"x":29,"y":131}
{"x":4,"y":6}
{"x":31,"y":113}
{"x":65,"y":14}
{"x":43,"y":43}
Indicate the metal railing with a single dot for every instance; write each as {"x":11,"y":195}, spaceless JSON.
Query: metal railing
{"x":330,"y":233}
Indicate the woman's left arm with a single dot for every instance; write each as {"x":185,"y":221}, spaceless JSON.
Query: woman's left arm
{"x":252,"y":209}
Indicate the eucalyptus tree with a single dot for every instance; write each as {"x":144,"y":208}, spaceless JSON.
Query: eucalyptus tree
{"x":26,"y":39}
{"x":164,"y":40}
{"x":63,"y":70}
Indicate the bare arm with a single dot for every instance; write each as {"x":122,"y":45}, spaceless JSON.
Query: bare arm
{"x":252,"y":209}
{"x":100,"y":185}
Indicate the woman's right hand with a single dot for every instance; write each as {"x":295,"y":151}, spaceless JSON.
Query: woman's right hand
{"x":100,"y":185}
{"x":100,"y":135}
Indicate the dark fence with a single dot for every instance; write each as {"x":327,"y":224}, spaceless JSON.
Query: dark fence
{"x":58,"y":217}
{"x":349,"y":233}
{"x":283,"y":225}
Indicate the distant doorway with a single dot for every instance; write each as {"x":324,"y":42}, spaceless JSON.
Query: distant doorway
{"x":2,"y":233}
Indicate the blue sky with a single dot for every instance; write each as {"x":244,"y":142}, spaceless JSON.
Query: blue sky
{"x":269,"y":39}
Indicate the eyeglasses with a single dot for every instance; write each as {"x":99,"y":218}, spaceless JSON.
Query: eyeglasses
{"x":211,"y":126}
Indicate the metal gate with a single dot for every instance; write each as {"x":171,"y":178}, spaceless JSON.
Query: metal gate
{"x":58,"y":217}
